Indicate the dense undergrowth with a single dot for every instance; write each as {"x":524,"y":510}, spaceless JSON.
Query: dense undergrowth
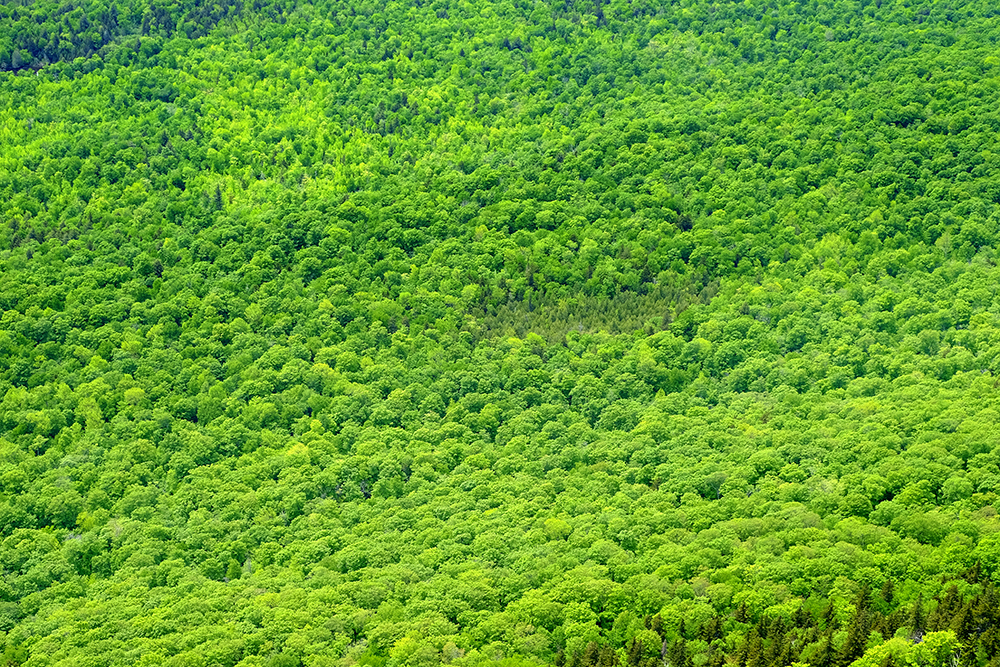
{"x":571,"y":333}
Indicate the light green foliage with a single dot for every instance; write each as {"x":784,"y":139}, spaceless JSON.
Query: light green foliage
{"x":335,"y":333}
{"x":935,"y":649}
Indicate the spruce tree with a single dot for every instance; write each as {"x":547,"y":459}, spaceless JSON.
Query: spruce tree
{"x":755,"y":650}
{"x":888,"y":592}
{"x":857,"y":638}
{"x":608,"y":657}
{"x":635,"y":653}
{"x":740,"y":614}
{"x":825,"y":656}
{"x":656,"y":625}
{"x":917,"y":621}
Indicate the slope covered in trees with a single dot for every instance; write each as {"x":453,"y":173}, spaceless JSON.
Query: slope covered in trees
{"x":562,"y":333}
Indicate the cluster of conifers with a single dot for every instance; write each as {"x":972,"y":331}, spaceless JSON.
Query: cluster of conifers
{"x":820,"y":639}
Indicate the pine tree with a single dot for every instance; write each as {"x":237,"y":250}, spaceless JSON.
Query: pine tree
{"x":917,"y":621}
{"x":607,"y":658}
{"x":863,"y":601}
{"x":635,"y":653}
{"x":964,"y":623}
{"x":802,"y":618}
{"x":742,"y":654}
{"x":762,"y":627}
{"x":776,"y":628}
{"x":888,"y":592}
{"x":946,"y":610}
{"x":711,"y":629}
{"x":771,"y":651}
{"x":988,"y":607}
{"x":828,"y":618}
{"x":656,"y":625}
{"x":857,"y":638}
{"x":786,"y":654}
{"x":755,"y":650}
{"x":678,"y":654}
{"x":825,"y":656}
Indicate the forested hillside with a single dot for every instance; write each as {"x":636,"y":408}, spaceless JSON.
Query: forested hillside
{"x":563,"y":333}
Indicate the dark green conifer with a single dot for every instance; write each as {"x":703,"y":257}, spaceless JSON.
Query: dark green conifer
{"x":802,"y":618}
{"x":740,"y":614}
{"x":711,"y":629}
{"x":917,"y":620}
{"x":656,"y":625}
{"x":826,"y":655}
{"x":828,"y":619}
{"x":857,"y":638}
{"x":635,"y":653}
{"x":608,"y":657}
{"x":888,"y":592}
{"x":755,"y":650}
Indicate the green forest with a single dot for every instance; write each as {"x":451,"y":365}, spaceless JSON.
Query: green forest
{"x":525,"y":333}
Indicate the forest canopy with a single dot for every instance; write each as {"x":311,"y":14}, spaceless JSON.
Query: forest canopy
{"x":572,"y":333}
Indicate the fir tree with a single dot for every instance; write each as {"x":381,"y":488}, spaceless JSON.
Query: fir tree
{"x":711,"y":629}
{"x":656,"y":625}
{"x":635,"y":653}
{"x":825,"y":656}
{"x":917,"y":621}
{"x":755,"y":650}
{"x":863,"y":600}
{"x":607,"y":658}
{"x":740,"y":614}
{"x":857,"y":638}
{"x":829,"y":620}
{"x":888,"y":592}
{"x":678,"y":654}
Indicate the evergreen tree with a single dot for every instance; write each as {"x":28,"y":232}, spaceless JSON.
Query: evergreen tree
{"x":857,"y":638}
{"x":917,"y":621}
{"x":888,"y":592}
{"x":828,"y":620}
{"x":656,"y":625}
{"x":740,"y":614}
{"x":634,"y":653}
{"x":677,"y":654}
{"x":711,"y":629}
{"x":608,"y":657}
{"x":826,"y":655}
{"x":755,"y":655}
{"x":863,"y":600}
{"x":947,"y":609}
